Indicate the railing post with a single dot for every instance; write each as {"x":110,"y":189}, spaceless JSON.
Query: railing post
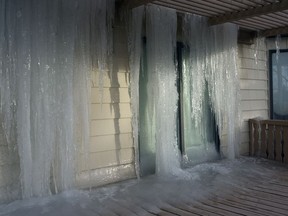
{"x":251,"y":137}
{"x":270,"y":145}
{"x":269,"y":139}
{"x":285,"y":144}
{"x":263,"y":150}
{"x":278,"y":143}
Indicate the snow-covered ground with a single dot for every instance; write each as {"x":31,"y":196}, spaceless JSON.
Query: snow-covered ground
{"x":151,"y":192}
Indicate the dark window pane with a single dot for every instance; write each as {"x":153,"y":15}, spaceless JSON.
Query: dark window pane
{"x":279,"y":89}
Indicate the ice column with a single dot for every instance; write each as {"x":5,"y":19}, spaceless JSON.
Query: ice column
{"x":213,"y":59}
{"x":161,"y":24}
{"x":46,"y":57}
{"x":134,"y":47}
{"x":195,"y":65}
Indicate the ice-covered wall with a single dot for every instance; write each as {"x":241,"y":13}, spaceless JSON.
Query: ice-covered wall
{"x":110,"y":154}
{"x":48,"y":51}
{"x":45,"y":81}
{"x":111,"y":142}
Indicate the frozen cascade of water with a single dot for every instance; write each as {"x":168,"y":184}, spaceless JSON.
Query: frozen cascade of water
{"x":46,"y":57}
{"x":213,"y":60}
{"x":134,"y":47}
{"x":161,"y":25}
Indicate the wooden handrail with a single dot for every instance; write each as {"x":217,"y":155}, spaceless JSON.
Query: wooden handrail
{"x":269,"y":139}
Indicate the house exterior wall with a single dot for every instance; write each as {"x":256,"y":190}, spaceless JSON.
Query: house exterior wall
{"x":111,"y":140}
{"x":111,"y":155}
{"x":254,"y":88}
{"x":283,"y":43}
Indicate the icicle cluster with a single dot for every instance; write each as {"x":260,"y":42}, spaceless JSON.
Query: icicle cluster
{"x":47,"y":52}
{"x":102,"y":19}
{"x":213,"y":59}
{"x":161,"y":25}
{"x":134,"y":47}
{"x":277,"y":45}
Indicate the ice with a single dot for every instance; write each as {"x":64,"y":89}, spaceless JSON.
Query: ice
{"x":213,"y":64}
{"x":277,"y":46}
{"x":48,"y":50}
{"x":134,"y":47}
{"x":161,"y":25}
{"x":256,"y":50}
{"x":210,"y":179}
{"x":47,"y":54}
{"x":102,"y":18}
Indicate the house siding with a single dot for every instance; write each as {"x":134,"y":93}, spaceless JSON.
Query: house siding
{"x":111,"y":140}
{"x":254,"y":100}
{"x":111,"y":156}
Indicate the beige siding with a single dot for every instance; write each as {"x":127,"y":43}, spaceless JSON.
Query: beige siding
{"x":253,"y":89}
{"x":254,"y":85}
{"x":111,"y":141}
{"x":272,"y":46}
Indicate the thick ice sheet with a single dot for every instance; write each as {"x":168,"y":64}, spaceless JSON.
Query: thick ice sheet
{"x":48,"y":50}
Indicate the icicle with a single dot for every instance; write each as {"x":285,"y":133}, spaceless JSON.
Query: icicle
{"x":256,"y":48}
{"x":135,"y":44}
{"x":277,"y":45}
{"x":195,"y":63}
{"x":45,"y":65}
{"x":213,"y":59}
{"x":161,"y":26}
{"x":102,"y":40}
{"x":82,"y":81}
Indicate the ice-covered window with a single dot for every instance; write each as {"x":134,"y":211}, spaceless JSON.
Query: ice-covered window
{"x":279,"y":84}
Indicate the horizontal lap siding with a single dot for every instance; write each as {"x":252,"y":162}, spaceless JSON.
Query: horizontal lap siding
{"x":253,"y":89}
{"x":111,"y":140}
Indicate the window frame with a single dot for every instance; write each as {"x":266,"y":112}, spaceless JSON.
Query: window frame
{"x":271,"y":52}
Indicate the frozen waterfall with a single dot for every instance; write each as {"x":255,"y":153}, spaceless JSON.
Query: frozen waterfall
{"x":212,"y":66}
{"x":46,"y":59}
{"x":50,"y":50}
{"x":161,"y":26}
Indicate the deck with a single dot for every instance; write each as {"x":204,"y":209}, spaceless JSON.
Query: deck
{"x":263,"y":199}
{"x":247,"y":186}
{"x":263,"y":191}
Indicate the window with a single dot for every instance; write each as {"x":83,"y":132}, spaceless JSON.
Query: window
{"x":279,"y":84}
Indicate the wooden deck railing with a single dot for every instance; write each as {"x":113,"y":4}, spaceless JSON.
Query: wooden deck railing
{"x":269,"y":139}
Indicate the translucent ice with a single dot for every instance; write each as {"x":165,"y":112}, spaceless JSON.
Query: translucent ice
{"x":47,"y":52}
{"x":213,"y":62}
{"x":161,"y":25}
